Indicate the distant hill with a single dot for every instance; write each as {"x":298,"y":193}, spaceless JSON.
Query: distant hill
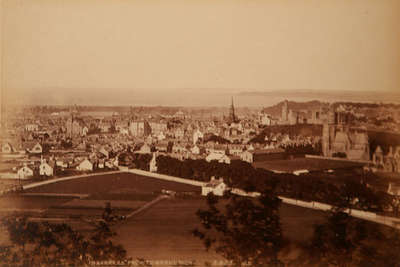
{"x":276,"y":110}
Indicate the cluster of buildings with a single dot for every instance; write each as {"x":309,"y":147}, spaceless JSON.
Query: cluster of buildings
{"x":62,"y":142}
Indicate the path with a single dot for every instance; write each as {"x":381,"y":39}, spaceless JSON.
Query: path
{"x":33,"y":185}
{"x":55,"y":195}
{"x":146,"y":206}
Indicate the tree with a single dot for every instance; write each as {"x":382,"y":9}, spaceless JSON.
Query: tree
{"x":46,"y":244}
{"x":244,"y":230}
{"x":346,"y":241}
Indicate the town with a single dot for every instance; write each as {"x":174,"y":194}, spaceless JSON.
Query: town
{"x":44,"y":142}
{"x":65,"y":162}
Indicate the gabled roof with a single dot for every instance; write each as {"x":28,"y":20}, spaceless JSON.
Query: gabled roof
{"x":378,"y":149}
{"x":30,"y":144}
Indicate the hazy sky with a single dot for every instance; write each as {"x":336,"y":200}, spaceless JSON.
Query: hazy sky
{"x":164,"y":51}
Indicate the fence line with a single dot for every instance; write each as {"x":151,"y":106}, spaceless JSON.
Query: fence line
{"x":28,"y":186}
{"x":166,"y":177}
{"x":337,"y":159}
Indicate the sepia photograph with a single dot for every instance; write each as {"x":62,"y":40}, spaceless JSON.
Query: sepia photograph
{"x":200,"y":133}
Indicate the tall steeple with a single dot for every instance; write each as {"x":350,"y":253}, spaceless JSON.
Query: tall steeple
{"x":232,"y":117}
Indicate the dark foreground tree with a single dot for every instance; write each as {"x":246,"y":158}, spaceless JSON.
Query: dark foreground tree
{"x":243,"y":230}
{"x":346,"y":241}
{"x":45,"y":244}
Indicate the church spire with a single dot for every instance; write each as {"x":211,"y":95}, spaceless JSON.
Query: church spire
{"x":232,"y":116}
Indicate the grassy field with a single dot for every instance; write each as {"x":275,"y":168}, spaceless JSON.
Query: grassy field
{"x":30,"y":202}
{"x":311,"y":164}
{"x":117,"y":183}
{"x":164,"y":231}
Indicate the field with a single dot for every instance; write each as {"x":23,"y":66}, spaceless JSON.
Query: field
{"x":311,"y":164}
{"x":161,"y":232}
{"x":123,"y":184}
{"x":164,"y":231}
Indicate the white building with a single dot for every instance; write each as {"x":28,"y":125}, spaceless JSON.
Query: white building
{"x":7,"y":148}
{"x":215,"y":186}
{"x":247,"y":156}
{"x":25,"y":172}
{"x":45,"y":168}
{"x":85,"y":165}
{"x":31,"y":127}
{"x":36,"y":149}
{"x":153,"y":163}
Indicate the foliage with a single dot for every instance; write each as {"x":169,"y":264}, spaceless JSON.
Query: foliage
{"x":216,"y":139}
{"x":346,"y":241}
{"x":140,"y":161}
{"x":243,"y":230}
{"x":46,"y":244}
{"x":345,"y":189}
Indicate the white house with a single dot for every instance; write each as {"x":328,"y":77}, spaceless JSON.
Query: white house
{"x":247,"y":156}
{"x":31,"y":127}
{"x":7,"y":148}
{"x":35,"y":148}
{"x":62,"y":163}
{"x":46,"y":169}
{"x":153,"y":163}
{"x":25,"y":172}
{"x":85,"y":165}
{"x":215,"y":186}
{"x":250,"y":147}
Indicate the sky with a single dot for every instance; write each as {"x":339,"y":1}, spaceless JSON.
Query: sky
{"x":198,"y":52}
